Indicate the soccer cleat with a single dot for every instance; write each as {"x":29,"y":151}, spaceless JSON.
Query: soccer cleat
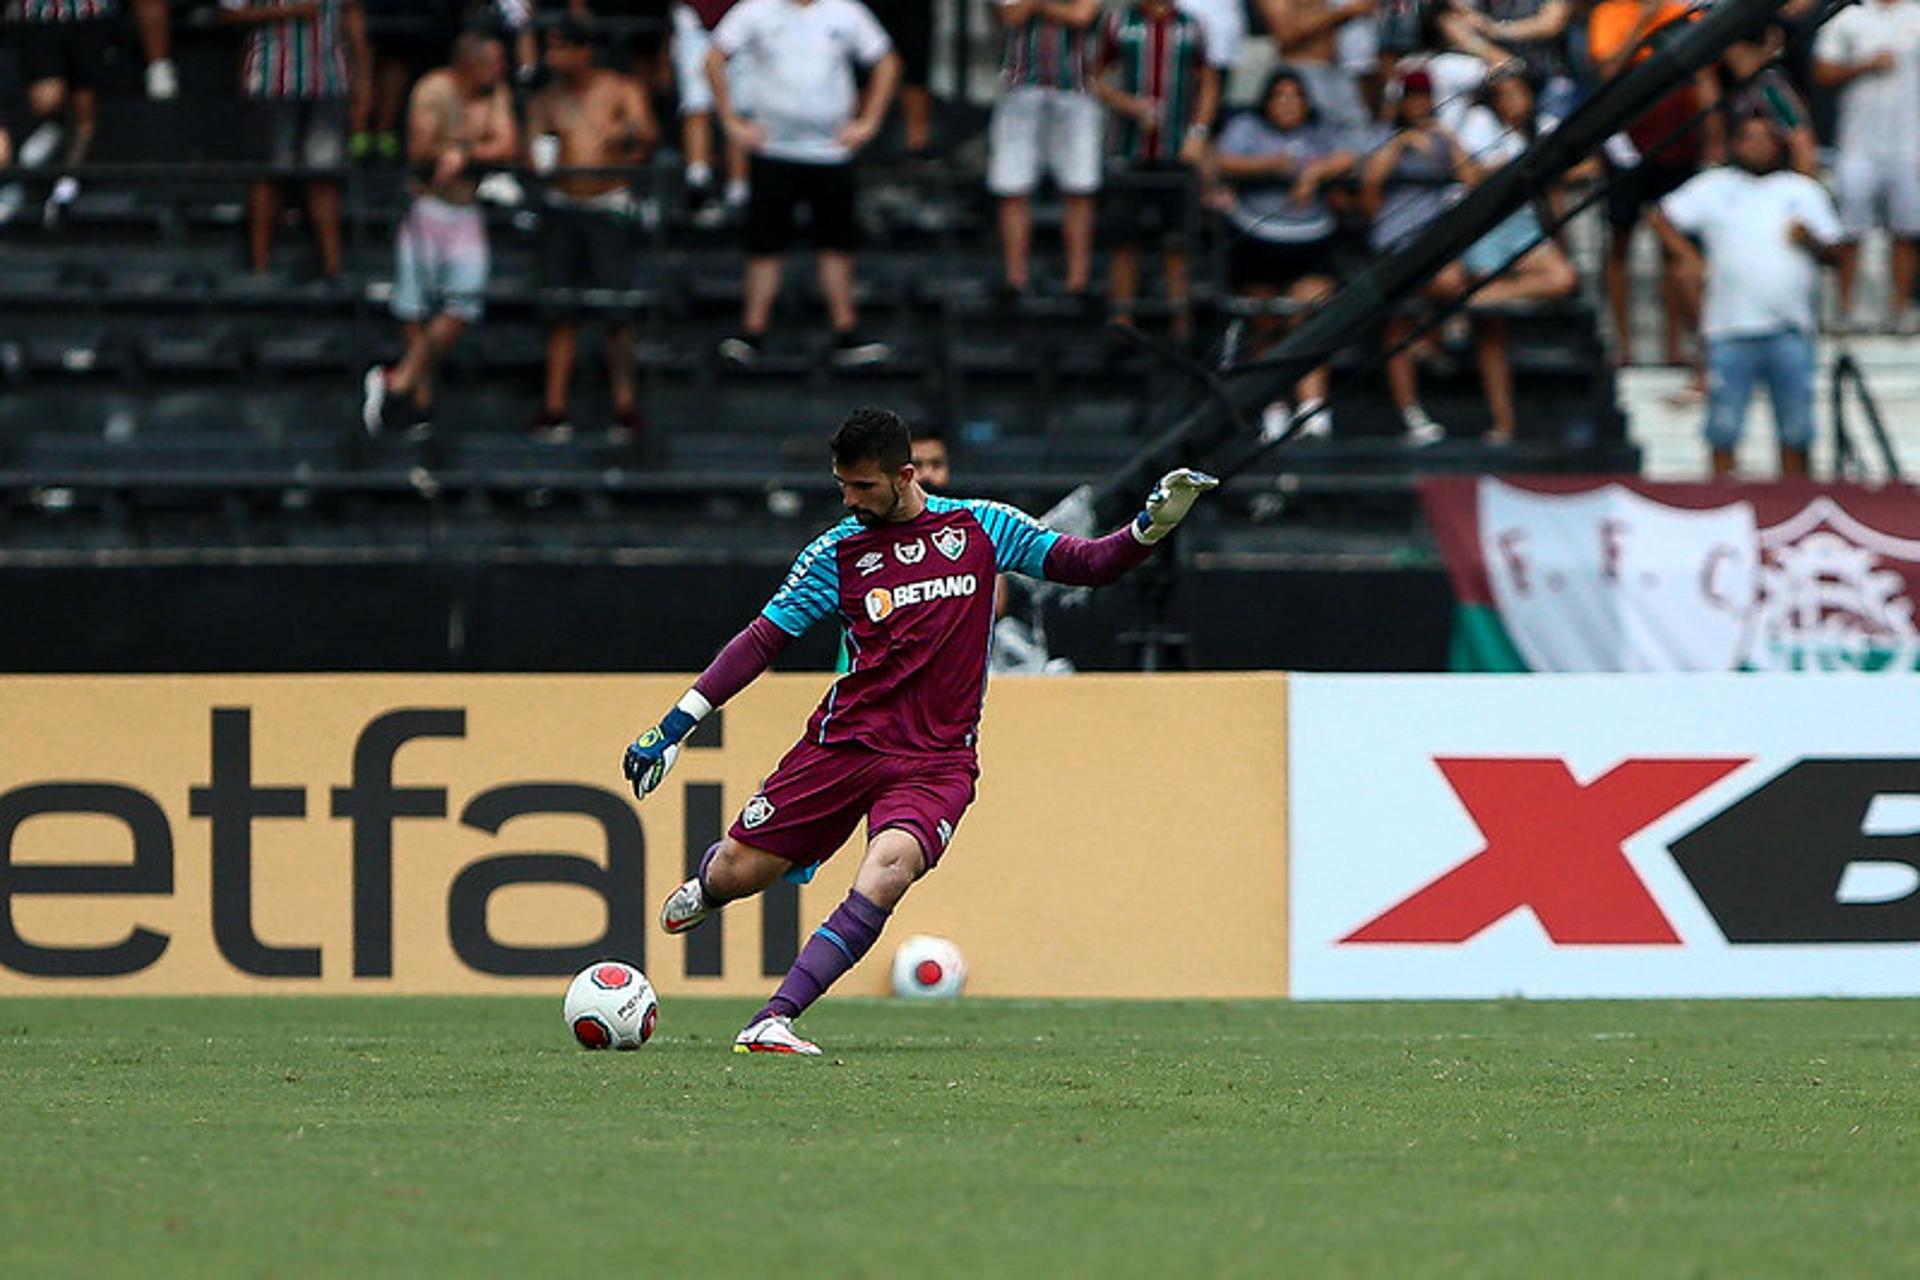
{"x":744,"y":349}
{"x":774,"y":1034}
{"x":686,"y":907}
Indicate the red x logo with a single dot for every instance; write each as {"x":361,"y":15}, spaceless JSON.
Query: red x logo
{"x":1553,"y":846}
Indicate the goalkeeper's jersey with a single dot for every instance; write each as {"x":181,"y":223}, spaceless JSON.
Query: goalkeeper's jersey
{"x":916,"y":599}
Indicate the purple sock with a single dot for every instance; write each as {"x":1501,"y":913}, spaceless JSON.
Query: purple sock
{"x":834,"y":948}
{"x":700,"y":874}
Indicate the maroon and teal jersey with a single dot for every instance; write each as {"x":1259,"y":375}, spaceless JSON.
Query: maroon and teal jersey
{"x":62,"y":10}
{"x":1160,"y":57}
{"x":916,"y":599}
{"x":1047,"y":55}
{"x":302,"y":58}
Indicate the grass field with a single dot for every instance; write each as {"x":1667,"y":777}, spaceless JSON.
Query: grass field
{"x":468,"y":1137}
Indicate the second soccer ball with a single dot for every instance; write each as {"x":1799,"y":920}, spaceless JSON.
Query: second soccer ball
{"x":926,"y":967}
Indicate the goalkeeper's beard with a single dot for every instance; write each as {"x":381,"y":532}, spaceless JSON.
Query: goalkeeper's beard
{"x":874,"y":520}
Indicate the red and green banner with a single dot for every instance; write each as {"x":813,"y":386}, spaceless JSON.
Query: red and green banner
{"x":1599,"y":573}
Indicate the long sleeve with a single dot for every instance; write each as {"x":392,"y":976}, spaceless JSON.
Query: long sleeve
{"x":1094,"y":562}
{"x":742,"y":661}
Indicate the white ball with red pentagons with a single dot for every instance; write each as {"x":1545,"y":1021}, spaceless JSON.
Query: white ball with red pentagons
{"x":611,"y":1005}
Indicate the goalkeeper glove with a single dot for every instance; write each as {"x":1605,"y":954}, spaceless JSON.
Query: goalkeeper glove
{"x":1169,"y":503}
{"x":652,"y":754}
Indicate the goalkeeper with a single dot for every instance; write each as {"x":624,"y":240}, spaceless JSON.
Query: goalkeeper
{"x":911,"y":576}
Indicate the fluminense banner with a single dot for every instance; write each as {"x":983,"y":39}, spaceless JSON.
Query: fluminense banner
{"x":1585,"y":573}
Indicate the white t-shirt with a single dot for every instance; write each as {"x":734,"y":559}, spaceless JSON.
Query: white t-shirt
{"x":1492,"y":144}
{"x":1222,"y":22}
{"x":1758,"y":281}
{"x":801,"y":55}
{"x":1879,"y":113}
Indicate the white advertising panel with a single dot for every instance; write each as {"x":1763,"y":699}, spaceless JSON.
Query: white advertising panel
{"x":1604,"y":835}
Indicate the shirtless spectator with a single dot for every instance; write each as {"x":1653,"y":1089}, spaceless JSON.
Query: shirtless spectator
{"x":459,"y":122}
{"x":1307,"y":33}
{"x":299,"y":67}
{"x":587,"y":118}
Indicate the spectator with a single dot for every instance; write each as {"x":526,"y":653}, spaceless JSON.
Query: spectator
{"x":1531,"y":31}
{"x":1405,"y":185}
{"x":809,"y":122}
{"x":299,"y":68}
{"x":459,"y":121}
{"x":1152,"y":73}
{"x":408,"y":38}
{"x":156,"y":43}
{"x":1457,"y":78}
{"x":64,"y":46}
{"x":1764,"y":230}
{"x":587,"y":118}
{"x":1655,"y":156}
{"x":1046,"y":116}
{"x":1756,"y":88}
{"x":1223,"y":23}
{"x":931,"y":465}
{"x":1305,"y":32}
{"x":1276,"y":163}
{"x":1493,"y":136}
{"x":1871,"y":54}
{"x":639,"y":36}
{"x":693,"y":24}
{"x":909,"y":24}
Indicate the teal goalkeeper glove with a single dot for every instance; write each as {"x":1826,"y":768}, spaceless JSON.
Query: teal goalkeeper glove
{"x":1169,"y":503}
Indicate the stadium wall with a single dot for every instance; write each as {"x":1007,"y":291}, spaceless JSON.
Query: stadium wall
{"x":422,"y":834}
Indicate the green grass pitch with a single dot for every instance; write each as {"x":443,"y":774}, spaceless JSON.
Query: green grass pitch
{"x":295,"y":1137}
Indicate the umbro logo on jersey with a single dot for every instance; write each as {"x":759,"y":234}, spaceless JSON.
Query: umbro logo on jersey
{"x":869,"y":563}
{"x":758,"y":810}
{"x":910,"y":552}
{"x":950,"y":541}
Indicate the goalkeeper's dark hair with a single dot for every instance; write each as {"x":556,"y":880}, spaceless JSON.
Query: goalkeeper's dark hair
{"x":873,"y":435}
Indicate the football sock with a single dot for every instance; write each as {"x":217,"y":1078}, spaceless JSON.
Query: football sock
{"x":706,"y":860}
{"x":699,"y":175}
{"x":834,"y":948}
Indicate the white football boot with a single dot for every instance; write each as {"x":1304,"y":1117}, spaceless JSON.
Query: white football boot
{"x":774,"y":1034}
{"x":686,"y":907}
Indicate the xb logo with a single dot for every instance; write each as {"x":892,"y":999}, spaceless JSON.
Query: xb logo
{"x":1771,"y":867}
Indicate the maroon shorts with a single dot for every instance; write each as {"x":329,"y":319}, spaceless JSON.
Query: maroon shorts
{"x":817,"y":795}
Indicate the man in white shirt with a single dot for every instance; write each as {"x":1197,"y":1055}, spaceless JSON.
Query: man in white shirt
{"x":1871,"y":54}
{"x":809,"y":121}
{"x":1764,"y":230}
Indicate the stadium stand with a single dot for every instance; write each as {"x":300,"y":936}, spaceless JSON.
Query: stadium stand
{"x":137,"y":343}
{"x":154,"y":391}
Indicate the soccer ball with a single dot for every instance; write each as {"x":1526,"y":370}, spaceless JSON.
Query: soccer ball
{"x":611,"y":1006}
{"x":926,"y":967}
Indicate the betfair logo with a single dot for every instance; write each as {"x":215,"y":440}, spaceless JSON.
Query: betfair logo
{"x":881,"y":602}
